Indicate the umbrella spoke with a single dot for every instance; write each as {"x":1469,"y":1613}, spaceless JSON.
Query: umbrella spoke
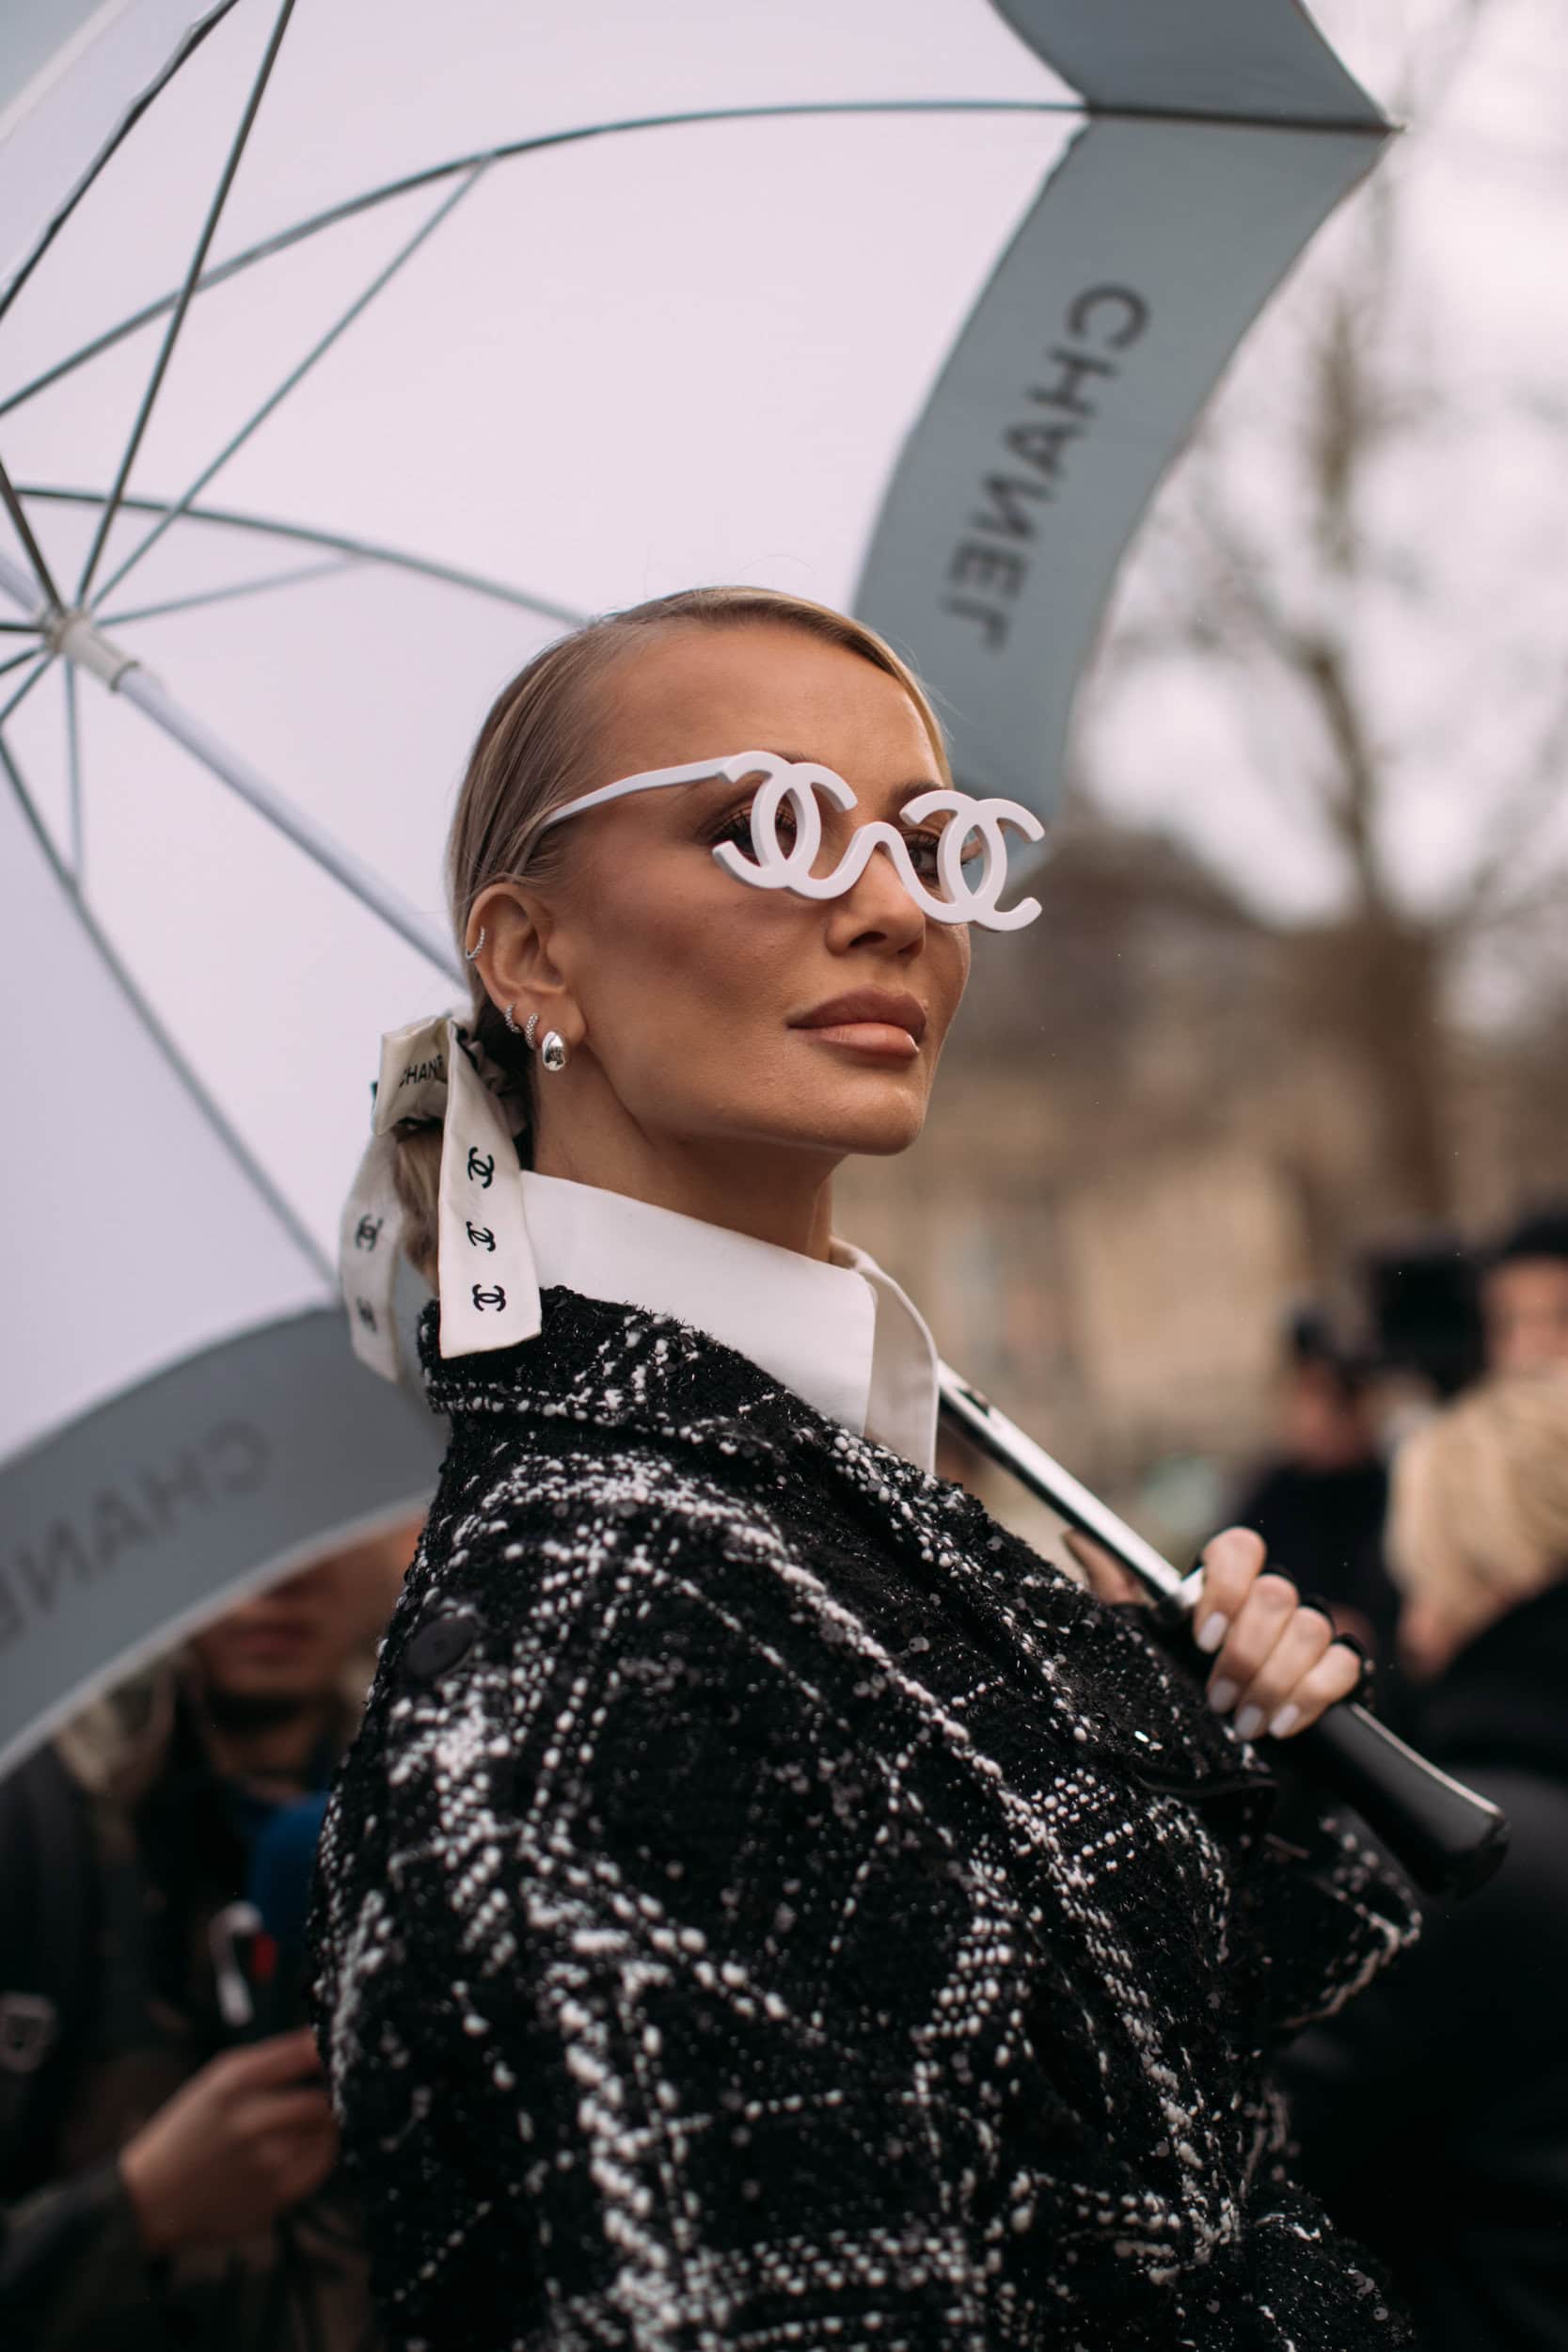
{"x":295,"y":376}
{"x":138,"y":686}
{"x":251,"y":1168}
{"x":18,"y":660}
{"x":26,"y":686}
{"x":290,"y":579}
{"x":18,"y":514}
{"x":183,"y":300}
{"x":363,"y":550}
{"x":122,"y":131}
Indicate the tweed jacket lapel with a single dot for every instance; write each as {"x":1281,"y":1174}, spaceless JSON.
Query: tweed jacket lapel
{"x":619,"y":1368}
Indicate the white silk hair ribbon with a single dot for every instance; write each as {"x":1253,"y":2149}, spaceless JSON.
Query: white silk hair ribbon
{"x":775,"y":867}
{"x":489,"y":1288}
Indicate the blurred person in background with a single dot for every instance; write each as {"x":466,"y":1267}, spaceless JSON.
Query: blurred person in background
{"x":1319,"y":1500}
{"x":167,"y":2148}
{"x":1422,"y":1309}
{"x":1433,"y":2114}
{"x":1524,"y":1294}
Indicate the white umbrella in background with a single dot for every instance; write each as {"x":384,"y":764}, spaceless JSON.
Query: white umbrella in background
{"x":348,"y":349}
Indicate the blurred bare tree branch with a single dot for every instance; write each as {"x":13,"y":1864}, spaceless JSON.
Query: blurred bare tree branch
{"x":1281,"y":591}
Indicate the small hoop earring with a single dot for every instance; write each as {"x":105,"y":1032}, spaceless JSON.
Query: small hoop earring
{"x":506,"y":1016}
{"x":553,"y":1053}
{"x":529,"y":1026}
{"x":469,"y":953}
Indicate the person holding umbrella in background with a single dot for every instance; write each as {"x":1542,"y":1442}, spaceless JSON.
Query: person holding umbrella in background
{"x":166,"y":2145}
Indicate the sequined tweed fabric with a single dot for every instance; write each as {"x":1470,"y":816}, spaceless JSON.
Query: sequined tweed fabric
{"x":800,"y":1916}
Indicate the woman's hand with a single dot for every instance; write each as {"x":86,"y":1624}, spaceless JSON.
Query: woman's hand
{"x":1277,"y":1664}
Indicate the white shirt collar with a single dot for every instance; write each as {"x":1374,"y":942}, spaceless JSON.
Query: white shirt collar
{"x":844,"y":1336}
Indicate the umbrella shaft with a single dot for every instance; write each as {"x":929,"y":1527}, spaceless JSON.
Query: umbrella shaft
{"x":1005,"y":1443}
{"x":1448,"y":1837}
{"x":74,"y":637}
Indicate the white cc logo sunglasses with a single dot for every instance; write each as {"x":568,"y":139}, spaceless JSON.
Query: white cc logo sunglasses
{"x":774,"y":867}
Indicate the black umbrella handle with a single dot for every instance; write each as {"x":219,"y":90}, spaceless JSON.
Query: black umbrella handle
{"x":1448,"y":1837}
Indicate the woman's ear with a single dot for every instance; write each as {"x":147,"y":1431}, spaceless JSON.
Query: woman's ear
{"x":516,"y":962}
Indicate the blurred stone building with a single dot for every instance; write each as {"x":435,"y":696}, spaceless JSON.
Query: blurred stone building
{"x":1152,"y":1139}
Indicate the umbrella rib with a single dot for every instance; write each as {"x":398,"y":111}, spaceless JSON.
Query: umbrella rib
{"x":116,"y":140}
{"x":295,"y":376}
{"x":222,"y":595}
{"x":367,"y":550}
{"x":17,"y":660}
{"x":510,"y":152}
{"x":18,"y":514}
{"x":27,"y":684}
{"x":233,"y":1142}
{"x":183,"y":300}
{"x":137,"y":687}
{"x":511,"y":149}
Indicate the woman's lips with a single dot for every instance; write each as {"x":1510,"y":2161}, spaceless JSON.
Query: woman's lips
{"x":886,"y":1022}
{"x":867,"y":1037}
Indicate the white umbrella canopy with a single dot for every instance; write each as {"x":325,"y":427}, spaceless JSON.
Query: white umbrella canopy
{"x":347,"y":352}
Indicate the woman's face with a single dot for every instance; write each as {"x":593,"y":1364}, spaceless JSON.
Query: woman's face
{"x":711,"y":1011}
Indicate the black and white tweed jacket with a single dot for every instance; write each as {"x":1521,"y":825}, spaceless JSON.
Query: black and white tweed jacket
{"x":768,"y":1906}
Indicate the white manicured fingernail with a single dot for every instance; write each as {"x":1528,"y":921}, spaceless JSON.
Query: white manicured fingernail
{"x":1212,"y":1632}
{"x":1284,"y":1723}
{"x":1249,"y":1722}
{"x":1223,"y":1695}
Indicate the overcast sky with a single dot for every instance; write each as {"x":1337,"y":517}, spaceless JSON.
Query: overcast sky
{"x":1472,"y":499}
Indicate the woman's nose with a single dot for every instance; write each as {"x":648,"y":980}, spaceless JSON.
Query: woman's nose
{"x":876,"y":909}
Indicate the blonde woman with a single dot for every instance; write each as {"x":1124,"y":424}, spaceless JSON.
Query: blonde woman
{"x":769,"y":1906}
{"x":1434,"y":2115}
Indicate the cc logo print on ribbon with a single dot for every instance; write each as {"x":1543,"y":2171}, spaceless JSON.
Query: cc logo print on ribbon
{"x":776,"y":867}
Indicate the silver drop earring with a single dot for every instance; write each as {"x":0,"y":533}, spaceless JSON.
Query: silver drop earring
{"x":552,"y":1053}
{"x":506,"y":1016}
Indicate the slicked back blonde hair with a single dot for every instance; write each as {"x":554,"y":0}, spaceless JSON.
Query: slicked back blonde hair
{"x":1479,"y":1514}
{"x":535,"y":750}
